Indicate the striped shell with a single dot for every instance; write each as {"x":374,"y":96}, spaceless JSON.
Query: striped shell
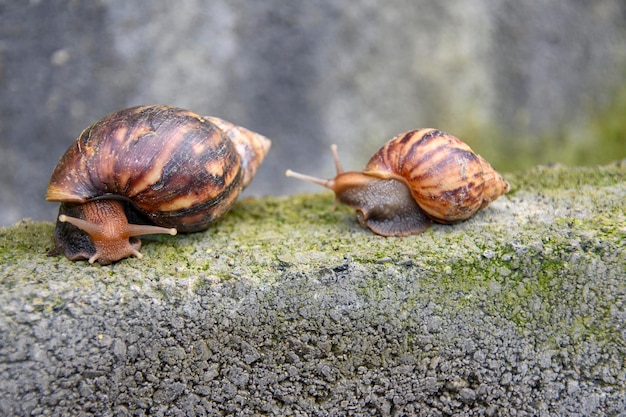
{"x":178,"y":169}
{"x":447,"y":179}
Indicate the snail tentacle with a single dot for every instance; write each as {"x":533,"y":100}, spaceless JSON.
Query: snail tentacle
{"x":109,"y":231}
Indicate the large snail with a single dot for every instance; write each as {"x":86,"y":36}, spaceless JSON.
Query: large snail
{"x":417,"y":177}
{"x":148,"y":170}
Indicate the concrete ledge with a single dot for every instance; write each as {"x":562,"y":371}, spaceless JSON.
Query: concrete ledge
{"x":287,"y":307}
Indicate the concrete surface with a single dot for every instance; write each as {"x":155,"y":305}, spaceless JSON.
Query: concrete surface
{"x":288,"y":308}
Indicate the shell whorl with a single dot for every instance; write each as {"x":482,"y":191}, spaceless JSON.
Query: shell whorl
{"x":178,"y":168}
{"x":447,"y":179}
{"x":251,"y":146}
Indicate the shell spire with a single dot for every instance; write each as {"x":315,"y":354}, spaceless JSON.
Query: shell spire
{"x":494,"y":185}
{"x":251,"y":146}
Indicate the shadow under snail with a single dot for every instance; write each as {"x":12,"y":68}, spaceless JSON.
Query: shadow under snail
{"x":417,"y":177}
{"x":148,"y":170}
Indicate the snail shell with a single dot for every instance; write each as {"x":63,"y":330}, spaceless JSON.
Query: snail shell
{"x":163,"y":167}
{"x":416,"y":177}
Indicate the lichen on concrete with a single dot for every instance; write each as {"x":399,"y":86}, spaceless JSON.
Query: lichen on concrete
{"x":288,"y":307}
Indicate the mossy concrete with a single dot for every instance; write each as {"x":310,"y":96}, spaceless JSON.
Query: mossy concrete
{"x":288,"y":307}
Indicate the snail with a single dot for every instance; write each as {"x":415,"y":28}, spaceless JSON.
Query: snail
{"x":417,"y":177}
{"x":148,"y":170}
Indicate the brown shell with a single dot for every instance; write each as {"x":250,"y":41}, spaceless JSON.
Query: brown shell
{"x":177,"y":168}
{"x":447,"y":179}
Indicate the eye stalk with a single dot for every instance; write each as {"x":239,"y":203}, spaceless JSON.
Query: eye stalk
{"x":104,"y":221}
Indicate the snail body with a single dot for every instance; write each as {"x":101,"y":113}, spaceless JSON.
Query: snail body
{"x":417,"y":177}
{"x":148,"y":170}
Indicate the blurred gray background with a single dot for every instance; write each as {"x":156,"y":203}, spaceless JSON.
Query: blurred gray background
{"x":523,"y":83}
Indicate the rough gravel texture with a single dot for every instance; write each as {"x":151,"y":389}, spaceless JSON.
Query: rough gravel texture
{"x":289,"y":308}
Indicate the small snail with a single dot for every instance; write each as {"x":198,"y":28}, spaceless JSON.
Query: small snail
{"x":148,"y":170}
{"x":417,"y":177}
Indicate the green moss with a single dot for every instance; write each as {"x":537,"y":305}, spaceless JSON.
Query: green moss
{"x":560,"y":177}
{"x":25,"y":238}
